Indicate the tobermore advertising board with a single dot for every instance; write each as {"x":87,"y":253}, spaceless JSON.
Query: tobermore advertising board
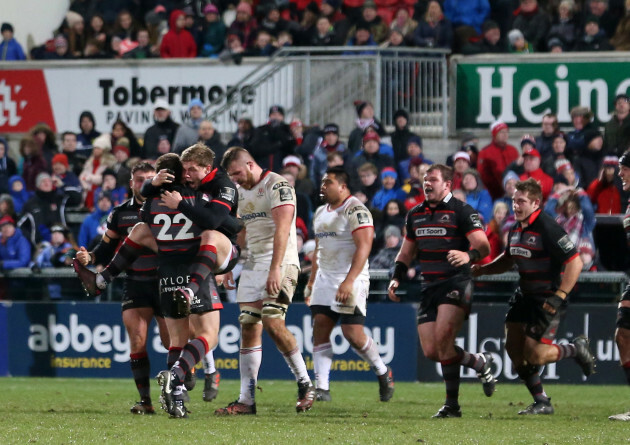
{"x":58,"y":95}
{"x":521,"y":93}
{"x":89,"y":340}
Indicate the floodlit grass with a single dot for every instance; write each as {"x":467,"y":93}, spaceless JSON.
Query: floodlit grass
{"x":79,"y":411}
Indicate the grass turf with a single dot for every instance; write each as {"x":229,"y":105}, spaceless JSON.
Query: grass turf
{"x":79,"y":411}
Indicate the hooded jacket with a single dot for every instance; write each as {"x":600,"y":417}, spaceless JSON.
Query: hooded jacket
{"x":15,"y":251}
{"x":7,"y":167}
{"x":177,"y":42}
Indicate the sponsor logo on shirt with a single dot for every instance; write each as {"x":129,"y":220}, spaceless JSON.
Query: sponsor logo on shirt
{"x":565,"y":244}
{"x":285,"y":194}
{"x":363,"y":218}
{"x":254,"y":216}
{"x":325,"y":234}
{"x":430,"y":231}
{"x":519,"y":251}
{"x":227,"y":193}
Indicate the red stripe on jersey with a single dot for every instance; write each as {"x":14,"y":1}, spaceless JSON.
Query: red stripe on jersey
{"x":409,"y":239}
{"x":224,"y":203}
{"x":133,"y":244}
{"x":473,"y":231}
{"x":546,"y":341}
{"x":570,"y":259}
{"x":282,"y":205}
{"x":207,"y":247}
{"x":359,"y":228}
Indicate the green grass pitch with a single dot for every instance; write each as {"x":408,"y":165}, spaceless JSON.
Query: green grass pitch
{"x":96,"y":411}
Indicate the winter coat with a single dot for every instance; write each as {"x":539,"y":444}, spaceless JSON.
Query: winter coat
{"x":15,"y":251}
{"x":177,"y":42}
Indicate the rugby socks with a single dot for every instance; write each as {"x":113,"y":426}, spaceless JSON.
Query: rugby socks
{"x":202,"y":266}
{"x":173,"y":354}
{"x":450,"y":373}
{"x":249,"y":364}
{"x":190,"y":356}
{"x":469,"y":360}
{"x":626,"y":368}
{"x":141,"y":368}
{"x":322,"y":361}
{"x":531,"y":378}
{"x":208,"y":363}
{"x":369,"y":353}
{"x":127,"y":253}
{"x":565,"y":350}
{"x":296,"y":362}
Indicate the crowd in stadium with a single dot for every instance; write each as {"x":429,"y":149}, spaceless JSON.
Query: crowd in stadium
{"x":230,"y":30}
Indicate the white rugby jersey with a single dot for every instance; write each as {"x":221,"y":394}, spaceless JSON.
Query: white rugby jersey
{"x":333,"y":230}
{"x":254,"y":208}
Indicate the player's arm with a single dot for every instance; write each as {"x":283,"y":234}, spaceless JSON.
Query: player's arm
{"x":151,"y":187}
{"x":500,"y":264}
{"x":283,"y":218}
{"x":571,"y":274}
{"x":103,"y":252}
{"x":311,"y":279}
{"x":403,"y":259}
{"x":363,"y":242}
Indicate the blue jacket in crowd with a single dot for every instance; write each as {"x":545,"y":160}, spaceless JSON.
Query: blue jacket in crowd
{"x":15,"y":252}
{"x":11,"y":50}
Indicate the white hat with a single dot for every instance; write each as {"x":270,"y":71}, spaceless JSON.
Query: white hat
{"x":103,"y":141}
{"x":291,"y":160}
{"x":461,"y":155}
{"x":161,"y":103}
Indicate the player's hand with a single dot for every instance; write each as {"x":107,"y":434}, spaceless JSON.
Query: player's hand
{"x":391,"y":290}
{"x":274,"y":281}
{"x":308,"y":290}
{"x":83,"y":256}
{"x":344,"y":291}
{"x":227,"y":280}
{"x":457,"y":258}
{"x":162,"y":177}
{"x":171,"y":199}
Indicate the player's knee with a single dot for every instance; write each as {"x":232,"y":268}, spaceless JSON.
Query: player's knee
{"x":250,"y":315}
{"x":274,"y":311}
{"x":431,"y":353}
{"x":533,"y":357}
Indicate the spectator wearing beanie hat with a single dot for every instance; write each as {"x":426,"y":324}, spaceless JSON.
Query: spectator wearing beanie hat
{"x":121,"y":167}
{"x":366,"y":118}
{"x":340,"y":24}
{"x":329,"y":144}
{"x":15,"y":250}
{"x":605,"y":191}
{"x":245,"y":24}
{"x":188,"y":132}
{"x":414,"y":150}
{"x":95,"y":224}
{"x":101,"y":158}
{"x":494,"y":159}
{"x":401,"y":135}
{"x":44,"y":209}
{"x":388,"y":190}
{"x":371,"y":153}
{"x":273,"y":141}
{"x":461,"y":163}
{"x":509,"y":185}
{"x":65,"y":181}
{"x":531,"y":164}
{"x":109,"y":185}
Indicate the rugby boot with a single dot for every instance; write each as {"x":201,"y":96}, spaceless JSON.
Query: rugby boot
{"x":485,"y":375}
{"x":211,"y":386}
{"x":178,"y":409}
{"x":386,"y":385}
{"x":165,"y":381}
{"x":624,"y":417}
{"x":323,"y":395}
{"x":182,"y":298}
{"x":448,"y":411}
{"x":583,"y":355}
{"x":236,"y":408}
{"x":142,"y":407}
{"x":190,"y":379}
{"x":306,"y":397}
{"x":538,"y":408}
{"x":88,"y":279}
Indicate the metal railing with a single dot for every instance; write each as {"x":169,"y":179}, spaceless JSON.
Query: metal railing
{"x":320,"y":84}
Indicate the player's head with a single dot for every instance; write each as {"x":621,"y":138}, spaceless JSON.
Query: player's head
{"x":172,"y":162}
{"x":437,"y":183}
{"x":335,"y":185}
{"x":527,"y":198}
{"x":624,"y":170}
{"x":140,"y":173}
{"x":241,"y":167}
{"x":198,"y":161}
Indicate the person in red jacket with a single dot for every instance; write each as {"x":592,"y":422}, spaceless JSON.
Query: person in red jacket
{"x":178,"y":42}
{"x":604,"y":191}
{"x":531,"y":164}
{"x":494,"y":159}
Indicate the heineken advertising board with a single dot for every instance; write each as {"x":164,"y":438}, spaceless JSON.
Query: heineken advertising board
{"x":520,"y":93}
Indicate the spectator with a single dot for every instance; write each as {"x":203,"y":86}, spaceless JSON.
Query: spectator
{"x":7,"y":206}
{"x":211,"y":138}
{"x":468,"y":140}
{"x":273,"y":141}
{"x":490,"y":41}
{"x":518,"y":44}
{"x":584,"y":144}
{"x":476,"y":195}
{"x":213,"y":34}
{"x":61,"y":51}
{"x":296,"y":167}
{"x":121,"y":167}
{"x":324,"y":34}
{"x":593,"y":38}
{"x":531,"y":164}
{"x":340,"y":24}
{"x":388,"y":191}
{"x":385,"y":257}
{"x":606,"y":18}
{"x":306,"y":27}
{"x":306,"y":140}
{"x":117,"y":193}
{"x":65,"y":181}
{"x":15,"y":250}
{"x":335,"y":159}
{"x":234,"y":49}
{"x":414,"y":150}
{"x":95,"y":224}
{"x":92,"y":175}
{"x":550,"y":129}
{"x":77,"y":37}
{"x":87,"y":134}
{"x":494,"y":231}
{"x":57,"y":253}
{"x":509,"y":185}
{"x":368,"y":184}
{"x":164,"y":128}
{"x":121,"y":130}
{"x":44,"y":209}
{"x":192,"y":25}
{"x":414,"y":186}
{"x":245,"y":24}
{"x":370,"y":19}
{"x":10,"y":49}
{"x":144,"y":49}
{"x":564,"y":28}
{"x":566,"y":175}
{"x":7,"y":166}
{"x":361,"y":35}
{"x":273,"y":22}
{"x":404,"y":23}
{"x":45,"y":140}
{"x":125,"y":26}
{"x":604,"y":192}
{"x":188,"y":132}
{"x":69,"y":148}
{"x":393,"y":214}
{"x":97,"y":31}
{"x":262,"y":46}
{"x":366,"y":118}
{"x":434,"y":30}
{"x":304,"y":212}
{"x":467,"y":16}
{"x":329,"y":144}
{"x":178,"y":42}
{"x":533,"y":22}
{"x":558,"y":151}
{"x":461,"y":164}
{"x":621,"y":39}
{"x":617,"y":130}
{"x":401,"y":135}
{"x":370,"y":153}
{"x":33,"y":163}
{"x":555,"y":45}
{"x":495,"y":157}
{"x":18,"y":192}
{"x":242,"y":137}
